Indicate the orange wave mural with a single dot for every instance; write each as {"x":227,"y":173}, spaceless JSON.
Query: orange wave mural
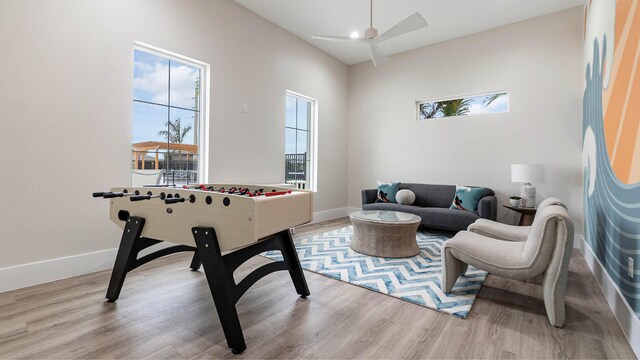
{"x":621,"y":98}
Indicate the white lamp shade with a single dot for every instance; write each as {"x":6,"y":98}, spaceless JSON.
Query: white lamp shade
{"x":527,"y":173}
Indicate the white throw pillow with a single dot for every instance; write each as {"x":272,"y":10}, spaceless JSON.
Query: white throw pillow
{"x":405,"y":197}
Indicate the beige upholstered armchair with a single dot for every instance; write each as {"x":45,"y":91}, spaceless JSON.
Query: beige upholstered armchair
{"x":502,"y":231}
{"x":545,"y":251}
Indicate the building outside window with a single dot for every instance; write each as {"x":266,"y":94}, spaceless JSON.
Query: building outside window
{"x":299,"y":141}
{"x":168,"y":121}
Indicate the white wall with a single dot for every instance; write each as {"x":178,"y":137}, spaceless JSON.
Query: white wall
{"x":65,"y":110}
{"x":538,"y":61}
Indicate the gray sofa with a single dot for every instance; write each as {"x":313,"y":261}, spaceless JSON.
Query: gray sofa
{"x":432,"y":205}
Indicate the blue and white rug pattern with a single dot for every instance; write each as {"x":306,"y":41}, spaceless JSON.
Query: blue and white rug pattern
{"x":415,"y":279}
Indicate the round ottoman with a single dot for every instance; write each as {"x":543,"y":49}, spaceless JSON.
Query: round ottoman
{"x":385,"y":233}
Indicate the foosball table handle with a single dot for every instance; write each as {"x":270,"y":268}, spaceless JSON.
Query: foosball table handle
{"x":140,"y":197}
{"x":174,"y":200}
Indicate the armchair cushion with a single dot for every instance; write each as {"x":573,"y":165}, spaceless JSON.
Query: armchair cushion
{"x":495,"y":256}
{"x":499,"y":231}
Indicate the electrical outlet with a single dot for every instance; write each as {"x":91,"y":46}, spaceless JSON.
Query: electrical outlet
{"x":630,"y":267}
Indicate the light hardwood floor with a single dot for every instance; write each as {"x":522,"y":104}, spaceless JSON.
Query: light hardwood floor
{"x":166,"y":311}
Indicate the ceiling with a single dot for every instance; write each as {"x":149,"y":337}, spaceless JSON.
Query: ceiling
{"x":447,"y":19}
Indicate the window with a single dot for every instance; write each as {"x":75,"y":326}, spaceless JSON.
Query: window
{"x":299,"y":141}
{"x":472,"y":105}
{"x":168,"y":126}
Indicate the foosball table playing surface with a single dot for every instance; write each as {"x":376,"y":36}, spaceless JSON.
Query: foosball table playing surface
{"x":223,"y":224}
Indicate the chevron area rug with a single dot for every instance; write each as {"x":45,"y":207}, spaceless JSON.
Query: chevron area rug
{"x":415,"y":279}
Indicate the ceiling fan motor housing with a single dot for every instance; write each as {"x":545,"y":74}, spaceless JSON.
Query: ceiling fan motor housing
{"x":371,"y":33}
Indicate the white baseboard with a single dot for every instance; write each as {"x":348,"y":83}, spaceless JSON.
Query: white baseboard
{"x":40,"y":272}
{"x":626,"y":317}
{"x":327,"y":215}
{"x":20,"y":276}
{"x":332,"y":214}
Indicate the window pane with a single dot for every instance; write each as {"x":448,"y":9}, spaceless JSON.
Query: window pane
{"x":182,"y":149}
{"x":290,"y":141}
{"x":148,"y":120}
{"x":302,"y":142}
{"x":150,"y":78}
{"x":183,"y":127}
{"x":304,"y":108}
{"x":291,"y":112}
{"x":185,"y":82}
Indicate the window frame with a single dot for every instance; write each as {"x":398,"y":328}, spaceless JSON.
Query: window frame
{"x":313,"y":136}
{"x":203,"y":121}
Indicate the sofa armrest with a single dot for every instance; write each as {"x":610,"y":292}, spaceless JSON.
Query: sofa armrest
{"x":369,"y":196}
{"x":488,"y":208}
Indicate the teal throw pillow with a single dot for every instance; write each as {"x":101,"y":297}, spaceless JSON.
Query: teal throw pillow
{"x":466,"y":198}
{"x":387,"y":192}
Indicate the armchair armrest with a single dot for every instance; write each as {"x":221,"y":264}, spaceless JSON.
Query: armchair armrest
{"x":369,"y":196}
{"x":488,"y":208}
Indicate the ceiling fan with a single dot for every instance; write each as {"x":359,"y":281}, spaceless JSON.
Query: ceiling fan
{"x":413,"y":22}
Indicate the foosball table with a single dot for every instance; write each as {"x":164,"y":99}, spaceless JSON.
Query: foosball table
{"x":224,"y":225}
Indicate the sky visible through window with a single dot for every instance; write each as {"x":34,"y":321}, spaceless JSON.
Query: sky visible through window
{"x":151,"y":85}
{"x":297,"y":125}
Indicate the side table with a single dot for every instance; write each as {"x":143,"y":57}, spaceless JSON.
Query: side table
{"x":526,"y":214}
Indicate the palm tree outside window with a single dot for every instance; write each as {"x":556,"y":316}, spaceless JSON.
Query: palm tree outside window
{"x":472,"y":105}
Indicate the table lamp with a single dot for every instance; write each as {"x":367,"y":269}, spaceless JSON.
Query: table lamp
{"x":527,"y":174}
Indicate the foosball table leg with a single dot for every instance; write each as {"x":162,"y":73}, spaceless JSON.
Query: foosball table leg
{"x":221,"y":286}
{"x":293,"y":263}
{"x":219,"y":271}
{"x":195,"y":262}
{"x":130,"y":246}
{"x":126,"y":255}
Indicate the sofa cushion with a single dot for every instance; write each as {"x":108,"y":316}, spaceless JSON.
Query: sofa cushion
{"x":405,"y":197}
{"x":466,"y":198}
{"x":428,"y":195}
{"x":449,"y":219}
{"x":387,"y":192}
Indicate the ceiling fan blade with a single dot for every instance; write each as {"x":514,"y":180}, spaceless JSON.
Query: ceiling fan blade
{"x":377,"y":56}
{"x":339,"y":38}
{"x":413,"y":22}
